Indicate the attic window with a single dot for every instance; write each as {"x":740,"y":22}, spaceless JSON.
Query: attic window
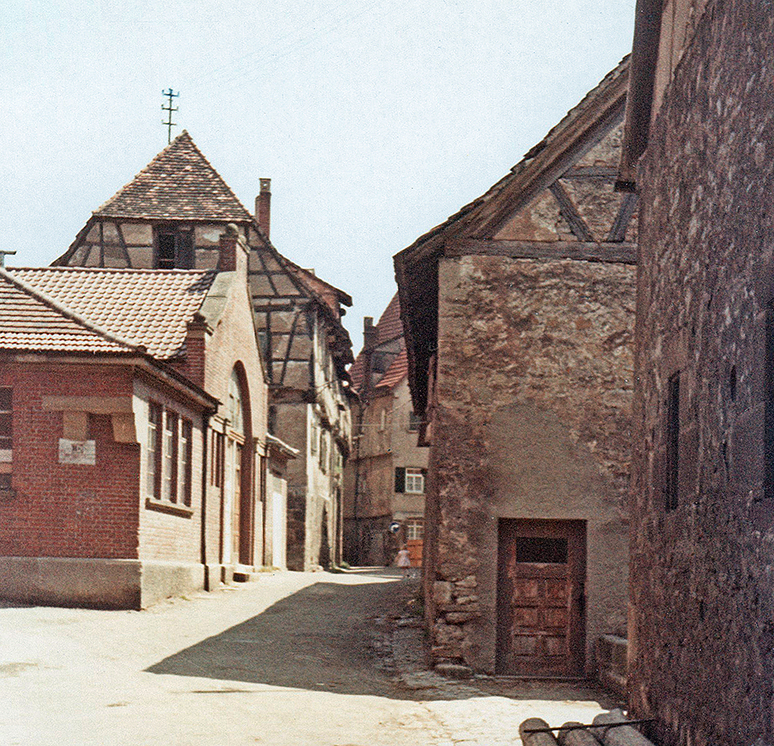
{"x":174,"y":248}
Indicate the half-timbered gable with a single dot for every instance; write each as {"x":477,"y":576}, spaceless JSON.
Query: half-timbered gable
{"x":171,"y":215}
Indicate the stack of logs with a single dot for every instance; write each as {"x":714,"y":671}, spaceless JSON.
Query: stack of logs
{"x":606,"y":730}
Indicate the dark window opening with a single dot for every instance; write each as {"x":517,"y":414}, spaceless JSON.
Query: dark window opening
{"x":6,"y":417}
{"x":174,"y":249}
{"x":672,"y":442}
{"x":543,"y":550}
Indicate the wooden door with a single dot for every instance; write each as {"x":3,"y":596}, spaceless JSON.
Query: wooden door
{"x":540,"y":597}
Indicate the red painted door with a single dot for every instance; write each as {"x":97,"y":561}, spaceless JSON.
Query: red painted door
{"x":540,"y":597}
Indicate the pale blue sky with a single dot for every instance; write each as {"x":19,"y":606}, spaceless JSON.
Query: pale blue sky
{"x":375,"y":119}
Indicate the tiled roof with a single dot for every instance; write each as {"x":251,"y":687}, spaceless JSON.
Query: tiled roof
{"x":29,"y":321}
{"x":178,"y":184}
{"x":388,"y":328}
{"x":389,"y":325}
{"x":148,"y":308}
{"x":397,"y":371}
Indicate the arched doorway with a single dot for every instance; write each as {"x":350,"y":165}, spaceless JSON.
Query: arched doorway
{"x":238,"y":507}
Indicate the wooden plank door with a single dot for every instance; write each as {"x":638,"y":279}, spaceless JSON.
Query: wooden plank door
{"x":540,"y":597}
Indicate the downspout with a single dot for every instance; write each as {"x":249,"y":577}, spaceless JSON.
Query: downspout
{"x":205,"y":460}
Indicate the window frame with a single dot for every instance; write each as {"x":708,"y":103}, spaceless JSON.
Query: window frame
{"x":414,"y":474}
{"x":183,"y":250}
{"x":169,"y":468}
{"x":153,"y":450}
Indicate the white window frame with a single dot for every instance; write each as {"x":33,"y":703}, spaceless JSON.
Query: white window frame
{"x":414,"y":481}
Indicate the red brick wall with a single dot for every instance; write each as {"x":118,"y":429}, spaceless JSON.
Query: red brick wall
{"x":233,"y":342}
{"x":168,"y":536}
{"x":63,"y":510}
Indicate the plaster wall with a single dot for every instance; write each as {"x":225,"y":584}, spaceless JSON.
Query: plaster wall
{"x":531,"y":419}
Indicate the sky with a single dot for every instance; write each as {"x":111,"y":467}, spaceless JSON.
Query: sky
{"x":375,"y":119}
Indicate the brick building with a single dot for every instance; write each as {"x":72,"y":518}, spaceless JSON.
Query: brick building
{"x":698,"y":149}
{"x":385,"y":477}
{"x":170,"y":215}
{"x":133,"y":447}
{"x":518,"y":314}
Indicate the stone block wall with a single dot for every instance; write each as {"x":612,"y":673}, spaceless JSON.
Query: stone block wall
{"x":702,"y":597}
{"x":531,"y":420}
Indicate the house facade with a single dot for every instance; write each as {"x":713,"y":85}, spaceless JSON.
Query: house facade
{"x":518,"y":314}
{"x":134,"y":432}
{"x":698,"y":152}
{"x":385,"y":478}
{"x":170,"y":216}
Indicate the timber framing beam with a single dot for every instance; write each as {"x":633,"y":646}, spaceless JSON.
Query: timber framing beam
{"x":620,"y":253}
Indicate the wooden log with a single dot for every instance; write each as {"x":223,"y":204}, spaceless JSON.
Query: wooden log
{"x":579,"y":737}
{"x":622,"y":735}
{"x":535,"y":739}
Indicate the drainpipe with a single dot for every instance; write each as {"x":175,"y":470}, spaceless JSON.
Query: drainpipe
{"x":203,"y":542}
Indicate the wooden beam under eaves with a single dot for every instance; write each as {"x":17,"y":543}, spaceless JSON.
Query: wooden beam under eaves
{"x":621,"y":253}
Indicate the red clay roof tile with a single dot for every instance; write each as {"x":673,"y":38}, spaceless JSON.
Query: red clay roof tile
{"x":148,"y":308}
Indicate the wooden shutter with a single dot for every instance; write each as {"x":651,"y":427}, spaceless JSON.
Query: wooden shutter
{"x":400,"y":479}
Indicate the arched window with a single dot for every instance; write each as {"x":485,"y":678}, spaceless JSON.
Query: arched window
{"x":235,"y":403}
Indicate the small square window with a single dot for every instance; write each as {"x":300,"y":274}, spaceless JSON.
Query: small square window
{"x":415,"y":481}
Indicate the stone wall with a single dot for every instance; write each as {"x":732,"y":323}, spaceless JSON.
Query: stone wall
{"x":531,"y":420}
{"x":702,"y":647}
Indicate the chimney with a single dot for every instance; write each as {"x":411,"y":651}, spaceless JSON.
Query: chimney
{"x":370,"y":334}
{"x":370,"y":342}
{"x":233,"y":254}
{"x":263,"y":206}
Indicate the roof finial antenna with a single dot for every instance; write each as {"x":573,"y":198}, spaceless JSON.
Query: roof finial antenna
{"x":170,"y":94}
{"x":3,"y":254}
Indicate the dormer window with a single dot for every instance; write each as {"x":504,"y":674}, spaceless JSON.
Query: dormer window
{"x":173,"y":248}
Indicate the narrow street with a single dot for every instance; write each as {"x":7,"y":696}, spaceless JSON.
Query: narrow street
{"x":323,"y":659}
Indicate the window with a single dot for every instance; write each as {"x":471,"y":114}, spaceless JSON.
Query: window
{"x":672,"y":436}
{"x":410,"y":480}
{"x":415,"y":481}
{"x":541,"y":549}
{"x":383,"y":420}
{"x":169,"y":452}
{"x":324,"y":450}
{"x":415,"y":529}
{"x":169,"y":478}
{"x":235,"y":403}
{"x":174,"y":248}
{"x":6,"y":437}
{"x":184,"y":481}
{"x":217,"y":451}
{"x":153,"y":485}
{"x":414,"y":422}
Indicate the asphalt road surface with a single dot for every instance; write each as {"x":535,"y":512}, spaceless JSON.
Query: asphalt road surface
{"x":295,"y":658}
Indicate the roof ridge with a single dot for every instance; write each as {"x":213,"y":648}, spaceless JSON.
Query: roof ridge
{"x":125,"y":270}
{"x":60,"y":308}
